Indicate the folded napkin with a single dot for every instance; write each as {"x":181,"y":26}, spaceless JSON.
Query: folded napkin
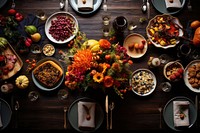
{"x":173,"y":4}
{"x":181,"y":113}
{"x":85,"y":108}
{"x":1,"y":124}
{"x":85,"y":5}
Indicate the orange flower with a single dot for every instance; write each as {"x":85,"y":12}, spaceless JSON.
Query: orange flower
{"x":105,"y":44}
{"x":108,"y":81}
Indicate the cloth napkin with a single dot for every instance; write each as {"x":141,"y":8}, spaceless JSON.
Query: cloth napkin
{"x":181,"y":107}
{"x":176,"y":4}
{"x":31,"y":19}
{"x":83,"y":122}
{"x":87,"y":6}
{"x":1,"y":124}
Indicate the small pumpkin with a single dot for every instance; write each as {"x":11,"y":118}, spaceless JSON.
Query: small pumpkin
{"x":22,"y":82}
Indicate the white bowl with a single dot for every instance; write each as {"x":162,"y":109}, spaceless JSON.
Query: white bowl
{"x":174,"y":20}
{"x":53,"y":17}
{"x":143,"y":79}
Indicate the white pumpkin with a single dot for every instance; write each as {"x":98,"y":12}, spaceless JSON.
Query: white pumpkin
{"x":22,"y":82}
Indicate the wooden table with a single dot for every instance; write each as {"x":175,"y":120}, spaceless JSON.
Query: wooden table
{"x":133,"y":113}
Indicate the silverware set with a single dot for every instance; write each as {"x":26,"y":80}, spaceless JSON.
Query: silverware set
{"x":109,"y":107}
{"x":65,"y":109}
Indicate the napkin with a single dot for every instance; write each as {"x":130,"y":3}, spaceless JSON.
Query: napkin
{"x":83,"y":122}
{"x":179,"y":108}
{"x":1,"y":124}
{"x":173,"y":4}
{"x":85,"y":5}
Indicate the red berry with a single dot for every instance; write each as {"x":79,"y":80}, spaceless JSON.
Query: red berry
{"x":180,"y":70}
{"x":172,"y":77}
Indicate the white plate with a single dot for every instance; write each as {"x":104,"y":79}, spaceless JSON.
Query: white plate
{"x":40,"y":86}
{"x":74,"y":5}
{"x":154,"y":81}
{"x":53,"y":17}
{"x":151,"y":22}
{"x":185,"y":76}
{"x":135,"y":38}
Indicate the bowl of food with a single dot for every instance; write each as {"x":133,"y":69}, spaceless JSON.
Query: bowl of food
{"x":192,"y":76}
{"x":164,"y":31}
{"x":173,"y":71}
{"x":48,"y":49}
{"x":61,"y":27}
{"x":136,"y":45}
{"x":143,"y":82}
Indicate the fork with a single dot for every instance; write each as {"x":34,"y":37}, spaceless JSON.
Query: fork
{"x":65,"y":117}
{"x":111,"y":107}
{"x":160,"y":110}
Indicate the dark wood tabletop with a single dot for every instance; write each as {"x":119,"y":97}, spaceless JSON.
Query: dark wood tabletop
{"x":133,"y":113}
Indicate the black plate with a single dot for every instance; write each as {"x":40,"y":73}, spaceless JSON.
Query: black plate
{"x":6,"y":113}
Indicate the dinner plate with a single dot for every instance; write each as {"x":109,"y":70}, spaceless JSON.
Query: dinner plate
{"x":74,"y":5}
{"x":40,"y":86}
{"x":139,"y":83}
{"x":185,"y":76}
{"x":132,"y":39}
{"x":2,"y":3}
{"x":6,"y":113}
{"x":49,"y":23}
{"x":73,"y":114}
{"x":168,"y":113}
{"x":161,"y":7}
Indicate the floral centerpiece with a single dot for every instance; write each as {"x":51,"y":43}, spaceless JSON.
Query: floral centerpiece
{"x":99,"y":65}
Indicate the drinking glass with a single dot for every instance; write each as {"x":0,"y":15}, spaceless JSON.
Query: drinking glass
{"x":164,"y":59}
{"x":106,"y":18}
{"x":62,"y":94}
{"x":184,"y":50}
{"x":120,"y":23}
{"x":165,"y":86}
{"x":106,"y":30}
{"x":41,"y":15}
{"x":33,"y":96}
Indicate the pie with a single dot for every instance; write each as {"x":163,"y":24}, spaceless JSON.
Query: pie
{"x":48,"y":73}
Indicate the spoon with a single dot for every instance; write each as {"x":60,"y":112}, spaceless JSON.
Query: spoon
{"x":62,"y":4}
{"x":144,"y":7}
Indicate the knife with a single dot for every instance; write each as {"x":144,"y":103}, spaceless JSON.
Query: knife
{"x":148,"y":9}
{"x":197,"y":107}
{"x":106,"y":108}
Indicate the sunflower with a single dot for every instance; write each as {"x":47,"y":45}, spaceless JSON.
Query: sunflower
{"x":98,"y":77}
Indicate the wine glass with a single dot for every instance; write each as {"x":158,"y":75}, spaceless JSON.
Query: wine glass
{"x":41,"y":15}
{"x":62,"y":94}
{"x":164,"y":59}
{"x":165,"y":86}
{"x":120,"y":23}
{"x":33,"y":96}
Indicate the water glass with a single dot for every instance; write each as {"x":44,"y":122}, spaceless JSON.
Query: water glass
{"x":106,"y":18}
{"x":120,"y":23}
{"x":165,"y":86}
{"x":41,"y":15}
{"x":106,"y":30}
{"x":184,"y":50}
{"x":62,"y":94}
{"x":33,"y":96}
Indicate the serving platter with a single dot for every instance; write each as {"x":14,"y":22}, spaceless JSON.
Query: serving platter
{"x":18,"y":64}
{"x":186,"y":76}
{"x":38,"y":84}
{"x":166,"y":19}
{"x":53,"y":17}
{"x":132,"y":39}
